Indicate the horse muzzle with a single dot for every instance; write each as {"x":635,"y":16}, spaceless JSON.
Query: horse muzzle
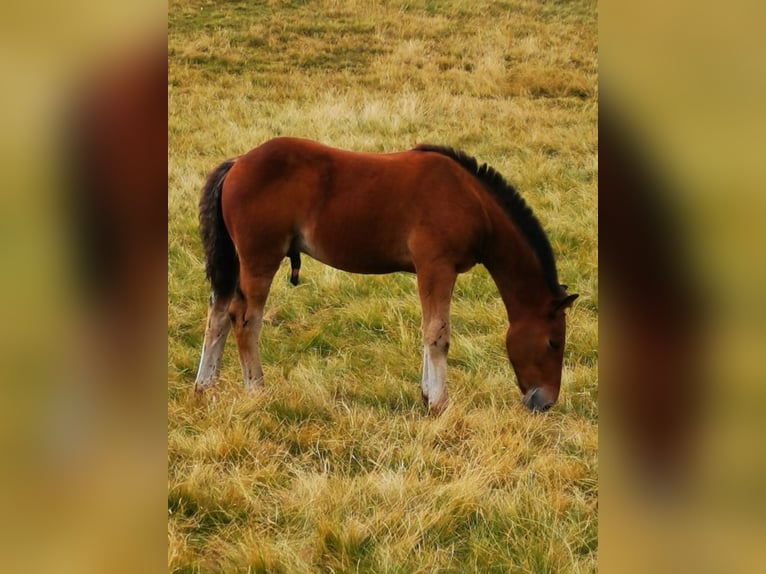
{"x":536,"y":399}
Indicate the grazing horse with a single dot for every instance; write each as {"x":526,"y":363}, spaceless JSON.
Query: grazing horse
{"x":430,"y":210}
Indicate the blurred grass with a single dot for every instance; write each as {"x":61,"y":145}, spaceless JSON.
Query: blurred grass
{"x":686,"y":82}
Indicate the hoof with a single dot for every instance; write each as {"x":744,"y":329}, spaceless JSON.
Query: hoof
{"x":255,"y":386}
{"x":197,"y":396}
{"x":438,"y":407}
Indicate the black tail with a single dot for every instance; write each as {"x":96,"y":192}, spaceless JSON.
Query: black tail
{"x":221,"y":262}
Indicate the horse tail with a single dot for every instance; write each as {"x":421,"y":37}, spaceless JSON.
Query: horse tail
{"x":221,"y":261}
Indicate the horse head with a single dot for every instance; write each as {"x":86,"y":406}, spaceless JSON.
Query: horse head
{"x":535,"y":344}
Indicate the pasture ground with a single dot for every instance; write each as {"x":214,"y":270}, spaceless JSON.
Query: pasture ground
{"x":335,"y":467}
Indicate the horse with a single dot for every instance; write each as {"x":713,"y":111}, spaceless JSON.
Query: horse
{"x":431,"y":210}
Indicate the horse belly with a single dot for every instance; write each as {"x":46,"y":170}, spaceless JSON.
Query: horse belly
{"x":358,"y":249}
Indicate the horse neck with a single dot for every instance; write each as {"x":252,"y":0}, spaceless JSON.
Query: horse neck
{"x":515,"y":269}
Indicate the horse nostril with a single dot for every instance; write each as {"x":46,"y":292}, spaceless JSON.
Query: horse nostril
{"x":535,"y":400}
{"x":528,"y":398}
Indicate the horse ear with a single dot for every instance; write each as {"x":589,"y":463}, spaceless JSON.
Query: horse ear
{"x":565,"y":301}
{"x":563,"y":287}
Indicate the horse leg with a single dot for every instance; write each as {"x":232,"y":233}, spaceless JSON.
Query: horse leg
{"x":435,"y":289}
{"x":247,"y":319}
{"x":216,"y":330}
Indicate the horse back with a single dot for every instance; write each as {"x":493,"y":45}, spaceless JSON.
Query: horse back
{"x":360,"y":212}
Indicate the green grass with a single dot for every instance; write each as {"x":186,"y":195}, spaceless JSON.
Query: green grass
{"x":335,"y":467}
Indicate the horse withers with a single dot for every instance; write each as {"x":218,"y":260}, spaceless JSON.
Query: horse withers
{"x":432,"y":210}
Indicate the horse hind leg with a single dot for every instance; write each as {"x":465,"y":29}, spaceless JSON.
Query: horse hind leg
{"x":247,"y":319}
{"x":216,"y":330}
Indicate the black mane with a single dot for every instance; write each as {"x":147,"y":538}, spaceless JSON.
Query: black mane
{"x":513,"y":204}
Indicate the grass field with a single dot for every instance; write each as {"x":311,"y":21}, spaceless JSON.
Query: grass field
{"x":336,"y":467}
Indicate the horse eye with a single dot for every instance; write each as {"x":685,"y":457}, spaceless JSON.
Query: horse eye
{"x":555,"y":345}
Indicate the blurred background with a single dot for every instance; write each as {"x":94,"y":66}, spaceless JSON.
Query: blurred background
{"x":83,"y":239}
{"x":681,"y":199}
{"x":83,"y":256}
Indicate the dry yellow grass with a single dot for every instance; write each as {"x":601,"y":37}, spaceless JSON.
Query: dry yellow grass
{"x":335,"y":467}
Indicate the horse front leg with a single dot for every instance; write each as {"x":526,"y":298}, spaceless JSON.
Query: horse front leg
{"x":216,"y":330}
{"x":435,"y":289}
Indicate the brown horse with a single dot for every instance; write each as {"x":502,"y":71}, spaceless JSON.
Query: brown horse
{"x":430,"y":210}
